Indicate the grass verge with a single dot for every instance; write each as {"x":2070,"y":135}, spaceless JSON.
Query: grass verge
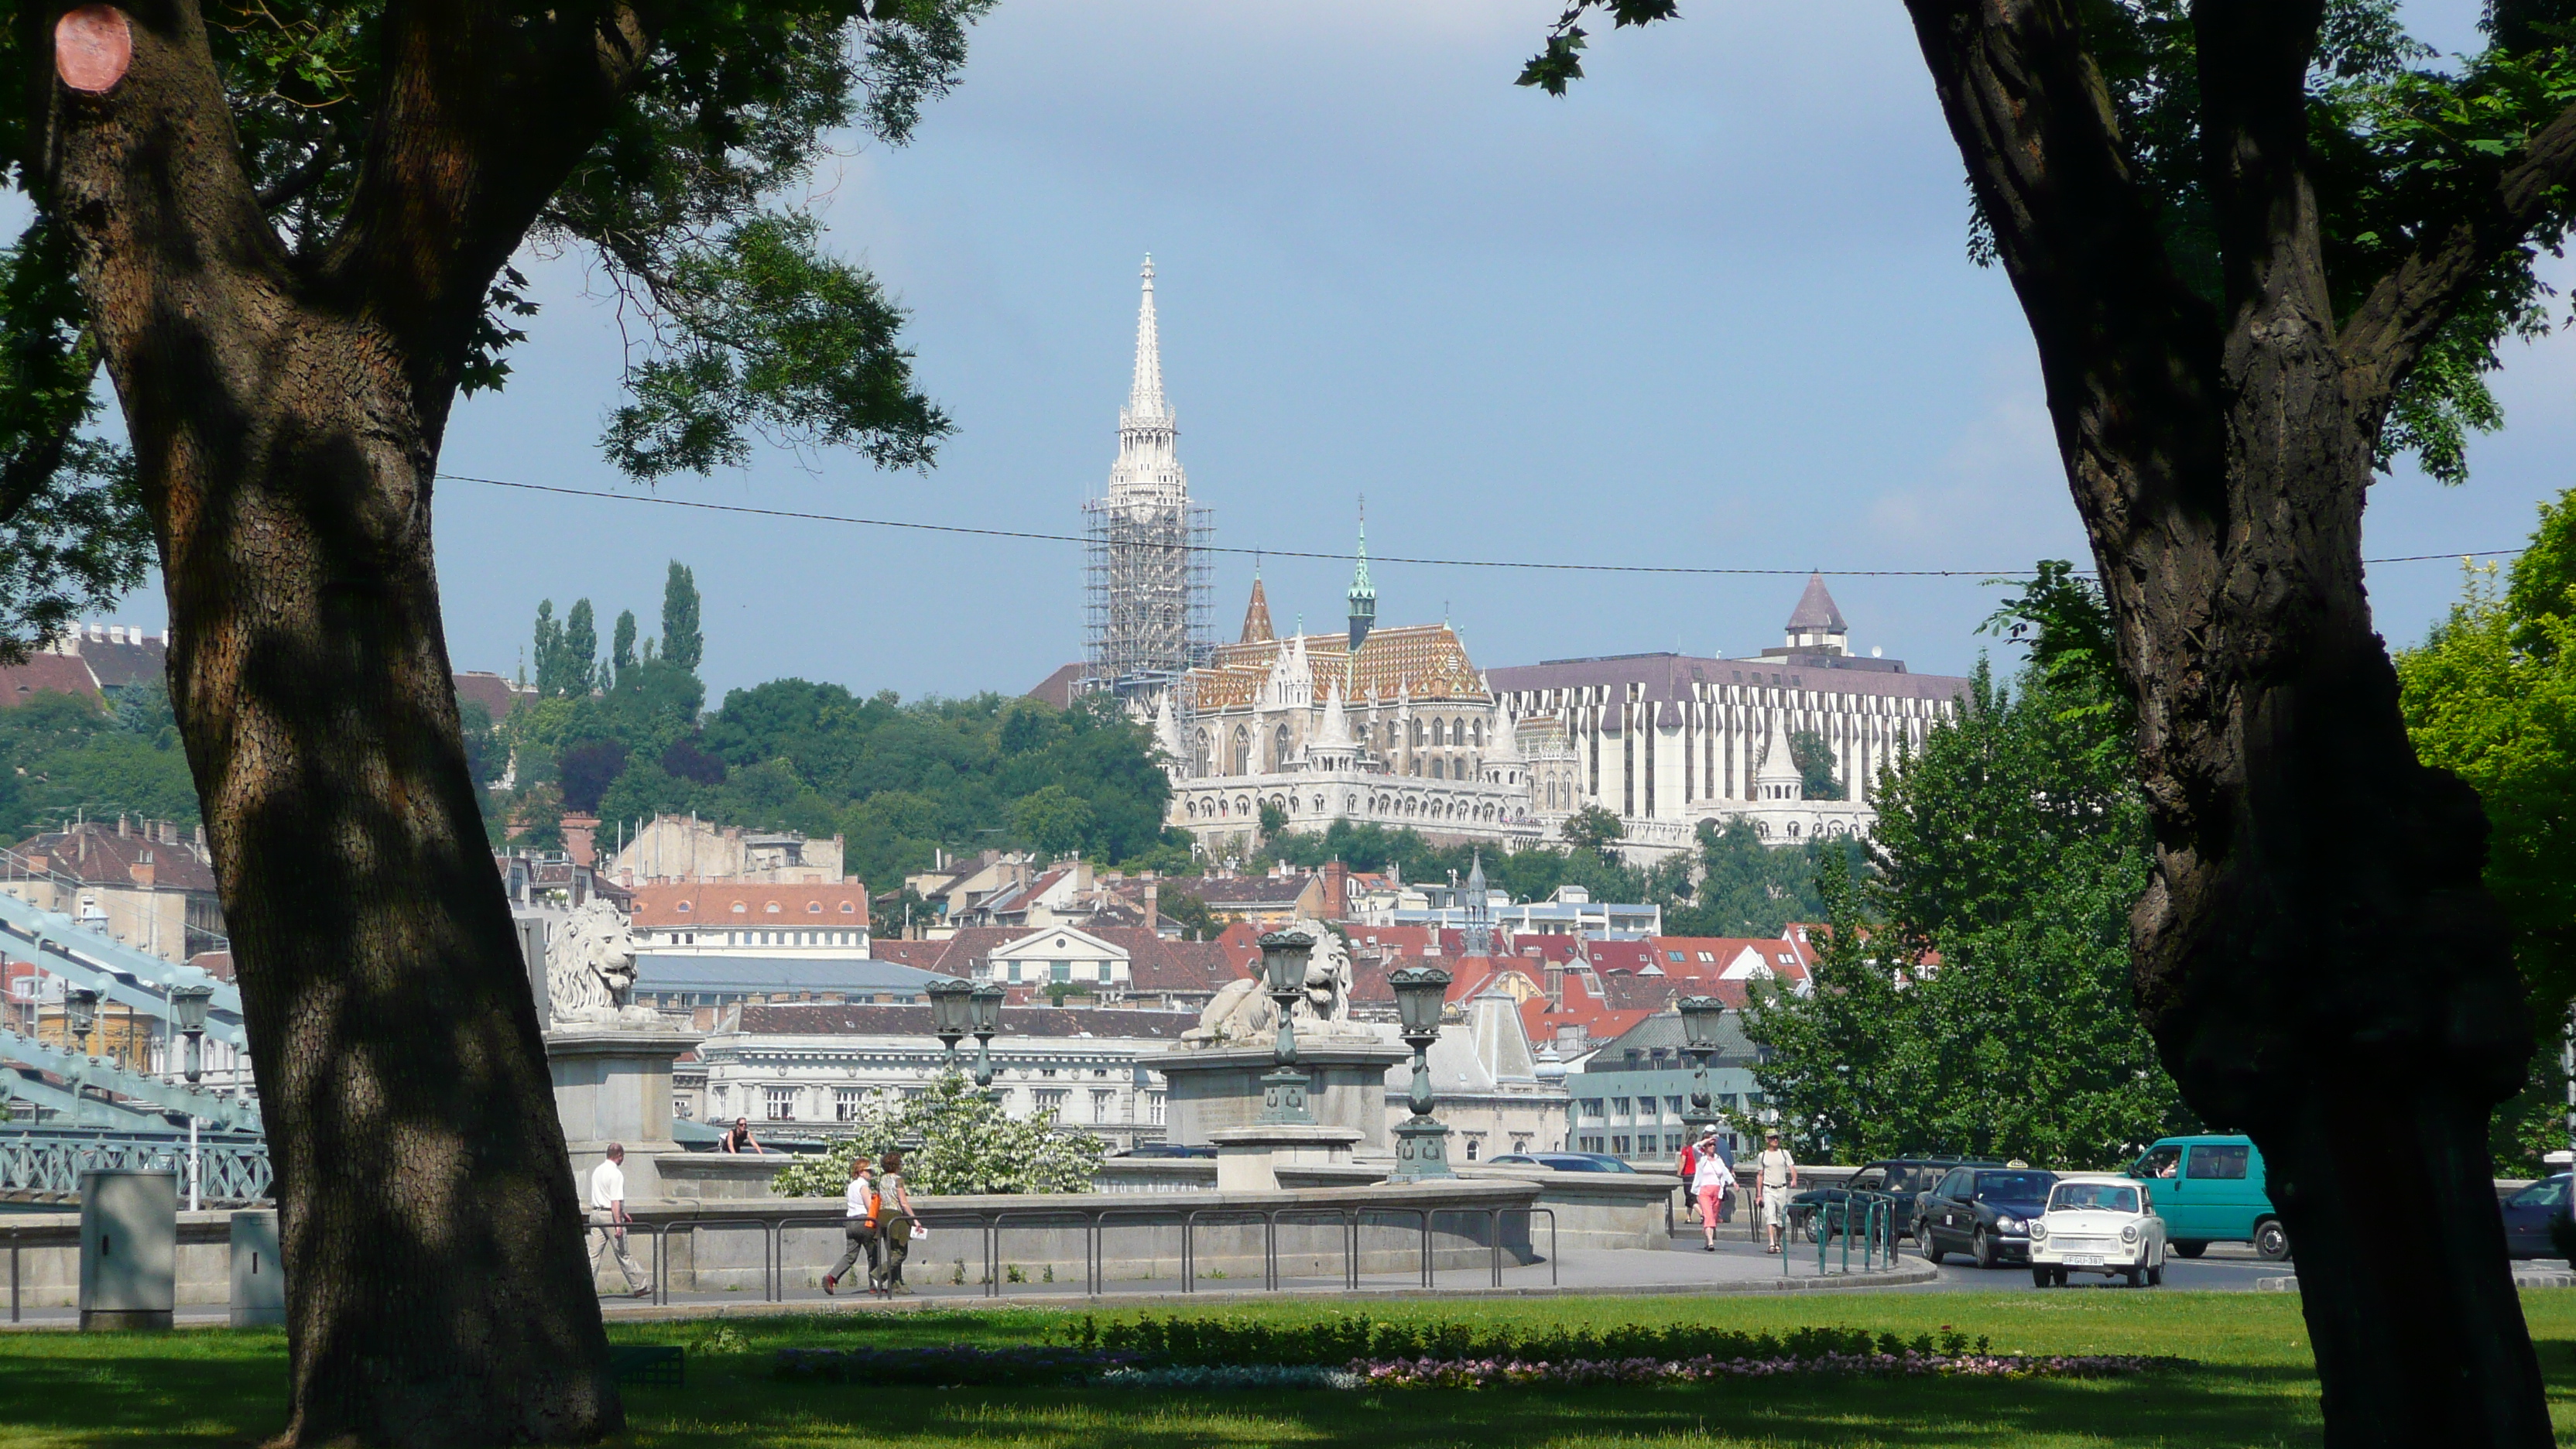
{"x":2252,"y":1384}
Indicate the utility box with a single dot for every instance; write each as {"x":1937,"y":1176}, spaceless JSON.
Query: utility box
{"x":259,"y":1280}
{"x":129,"y":1248}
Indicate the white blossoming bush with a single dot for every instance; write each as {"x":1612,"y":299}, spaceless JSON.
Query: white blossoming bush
{"x":967,"y":1145}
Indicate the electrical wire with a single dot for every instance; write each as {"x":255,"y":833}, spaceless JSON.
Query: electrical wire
{"x":1449,"y":563}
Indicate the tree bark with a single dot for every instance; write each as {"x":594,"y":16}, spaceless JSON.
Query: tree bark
{"x":2315,"y":954}
{"x":285,"y":417}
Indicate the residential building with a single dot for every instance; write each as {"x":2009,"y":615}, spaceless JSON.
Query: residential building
{"x":813,"y":1068}
{"x":1109,"y":965}
{"x":1275,"y":899}
{"x":1629,"y":1096}
{"x":147,"y":883}
{"x":824,"y":920}
{"x":699,"y":987}
{"x":672,"y":848}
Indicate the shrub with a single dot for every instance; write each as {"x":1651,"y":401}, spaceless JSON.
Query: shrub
{"x":968,"y":1145}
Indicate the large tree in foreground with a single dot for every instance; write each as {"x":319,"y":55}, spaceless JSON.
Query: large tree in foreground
{"x":2261,"y":245}
{"x":289,"y":223}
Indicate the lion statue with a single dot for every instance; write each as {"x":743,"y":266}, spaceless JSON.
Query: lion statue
{"x":1242,"y":1012}
{"x":590,"y":969}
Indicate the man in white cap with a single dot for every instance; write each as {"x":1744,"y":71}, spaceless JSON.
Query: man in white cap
{"x":608,"y":1219}
{"x":1779,"y":1175}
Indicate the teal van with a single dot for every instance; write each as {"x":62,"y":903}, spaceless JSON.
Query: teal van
{"x":2210,"y":1190}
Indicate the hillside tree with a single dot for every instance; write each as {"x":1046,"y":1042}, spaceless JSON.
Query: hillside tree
{"x":2264,"y":248}
{"x":285,"y":233}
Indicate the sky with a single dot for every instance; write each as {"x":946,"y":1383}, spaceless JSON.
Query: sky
{"x":1712,"y":310}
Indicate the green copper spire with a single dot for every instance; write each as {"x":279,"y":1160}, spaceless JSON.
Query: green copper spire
{"x":1363,"y":594}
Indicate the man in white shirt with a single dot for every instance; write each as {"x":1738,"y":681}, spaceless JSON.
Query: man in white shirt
{"x":1779,"y":1178}
{"x":608,"y":1219}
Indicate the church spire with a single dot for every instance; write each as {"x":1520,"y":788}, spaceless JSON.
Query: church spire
{"x":1146,"y":399}
{"x":1363,"y":595}
{"x":1256,"y":615}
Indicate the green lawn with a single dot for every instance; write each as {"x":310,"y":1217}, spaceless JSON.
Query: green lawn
{"x":2253,"y":1385}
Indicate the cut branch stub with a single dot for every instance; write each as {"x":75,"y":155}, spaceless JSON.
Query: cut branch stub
{"x":93,"y":48}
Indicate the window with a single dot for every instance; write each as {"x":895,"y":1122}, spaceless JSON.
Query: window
{"x":682,"y":908}
{"x":1154,"y":1108}
{"x":1672,"y":1142}
{"x":1589,"y":1108}
{"x":1104,"y":1105}
{"x":848,"y":909}
{"x":1047,"y":1099}
{"x":1953,"y":1186}
{"x":1474,"y":1145}
{"x":1618,"y":1146}
{"x":1673,"y":956}
{"x":1062,"y":971}
{"x":2224,"y":1161}
{"x":813,"y":908}
{"x":1673,"y":1108}
{"x":1872,"y":1180}
{"x":845,"y":1103}
{"x":1621,"y":1110}
{"x":779,"y":1104}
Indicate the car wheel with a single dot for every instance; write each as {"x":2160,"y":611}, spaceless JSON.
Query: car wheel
{"x":2137,"y":1277}
{"x":1930,"y":1245}
{"x":2039,"y":1277}
{"x":2156,"y":1276}
{"x":2189,"y":1249}
{"x":2271,"y":1240}
{"x":1982,"y":1247}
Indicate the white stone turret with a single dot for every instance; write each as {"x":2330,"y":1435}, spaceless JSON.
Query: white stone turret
{"x":1148,"y":468}
{"x":1778,"y":779}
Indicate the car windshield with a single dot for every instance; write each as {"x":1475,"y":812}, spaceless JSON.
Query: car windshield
{"x":2108,"y":1197}
{"x":2549,"y":1192}
{"x":2012,"y":1186}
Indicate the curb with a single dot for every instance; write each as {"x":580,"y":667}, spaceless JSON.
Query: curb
{"x":2290,"y":1284}
{"x":616,"y":1311}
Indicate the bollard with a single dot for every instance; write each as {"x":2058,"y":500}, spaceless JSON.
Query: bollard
{"x":259,"y":1280}
{"x":129,"y":1248}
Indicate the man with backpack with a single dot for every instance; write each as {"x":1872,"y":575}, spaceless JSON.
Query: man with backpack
{"x":858,"y":1223}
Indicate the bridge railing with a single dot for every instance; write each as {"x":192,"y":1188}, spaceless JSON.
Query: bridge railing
{"x":39,"y":1166}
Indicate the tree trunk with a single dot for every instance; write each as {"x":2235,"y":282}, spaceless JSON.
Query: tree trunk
{"x":286,"y":434}
{"x":2315,"y":954}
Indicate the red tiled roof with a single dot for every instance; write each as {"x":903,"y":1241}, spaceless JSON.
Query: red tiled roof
{"x":719,"y":906}
{"x":55,"y":673}
{"x":1057,"y":688}
{"x":93,"y":852}
{"x":496,"y":694}
{"x":830,"y":1019}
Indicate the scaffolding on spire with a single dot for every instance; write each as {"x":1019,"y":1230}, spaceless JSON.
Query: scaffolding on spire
{"x":1145,"y":546}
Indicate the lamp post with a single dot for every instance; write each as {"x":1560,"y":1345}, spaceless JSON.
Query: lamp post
{"x":1422,"y":1144}
{"x":80,"y":1013}
{"x":1283,"y":968}
{"x":1700,"y":1017}
{"x":952,"y":1014}
{"x":188,"y":1013}
{"x":986,"y":1001}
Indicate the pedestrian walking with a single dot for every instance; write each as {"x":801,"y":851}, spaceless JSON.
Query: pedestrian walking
{"x":896,"y":1226}
{"x":608,"y":1219}
{"x":1710,"y":1176}
{"x":858,"y":1226}
{"x":1779,"y":1174}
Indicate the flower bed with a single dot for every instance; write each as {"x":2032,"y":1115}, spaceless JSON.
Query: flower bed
{"x":1109,"y":1368}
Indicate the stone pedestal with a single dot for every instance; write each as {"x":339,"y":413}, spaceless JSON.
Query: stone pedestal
{"x":1212,"y":1091}
{"x":1421,"y":1150}
{"x":613,"y":1084}
{"x":1248,"y":1159}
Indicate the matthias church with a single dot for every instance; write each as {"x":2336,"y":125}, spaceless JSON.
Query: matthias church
{"x":1397,"y":725}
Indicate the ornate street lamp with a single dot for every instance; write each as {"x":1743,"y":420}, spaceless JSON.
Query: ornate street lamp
{"x":80,"y":1014}
{"x":1422,"y":1144}
{"x":986,"y":1001}
{"x":1283,"y":969}
{"x":1700,"y":1018}
{"x":952,"y":1013}
{"x":188,"y":1014}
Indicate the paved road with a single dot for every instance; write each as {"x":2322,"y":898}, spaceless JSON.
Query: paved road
{"x":2223,"y":1267}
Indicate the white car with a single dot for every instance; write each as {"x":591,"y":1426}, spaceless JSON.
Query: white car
{"x":2098,"y":1222}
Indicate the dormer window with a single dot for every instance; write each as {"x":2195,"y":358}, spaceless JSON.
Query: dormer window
{"x":813,"y":908}
{"x":739,"y":908}
{"x":773,"y":908}
{"x":682,"y":908}
{"x":848,"y":909}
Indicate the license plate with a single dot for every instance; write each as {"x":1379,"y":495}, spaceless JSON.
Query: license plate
{"x":2085,"y":1260}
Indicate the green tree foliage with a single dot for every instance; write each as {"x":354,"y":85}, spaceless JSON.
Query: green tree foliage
{"x":1749,"y":888}
{"x":1051,"y":818}
{"x":2007,"y":851}
{"x":1595,"y":829}
{"x":67,"y":756}
{"x":1191,"y":914}
{"x":682,"y":645}
{"x":621,"y":649}
{"x":967,"y":1145}
{"x":580,"y":649}
{"x":2491,"y":696}
{"x":1274,"y":820}
{"x":1815,"y":761}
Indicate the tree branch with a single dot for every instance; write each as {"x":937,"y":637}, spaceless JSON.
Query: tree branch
{"x":2387,"y":334}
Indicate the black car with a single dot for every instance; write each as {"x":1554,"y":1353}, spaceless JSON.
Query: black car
{"x":1984,"y":1212}
{"x":1563,"y":1161}
{"x":2528,"y":1213}
{"x":1904,"y":1178}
